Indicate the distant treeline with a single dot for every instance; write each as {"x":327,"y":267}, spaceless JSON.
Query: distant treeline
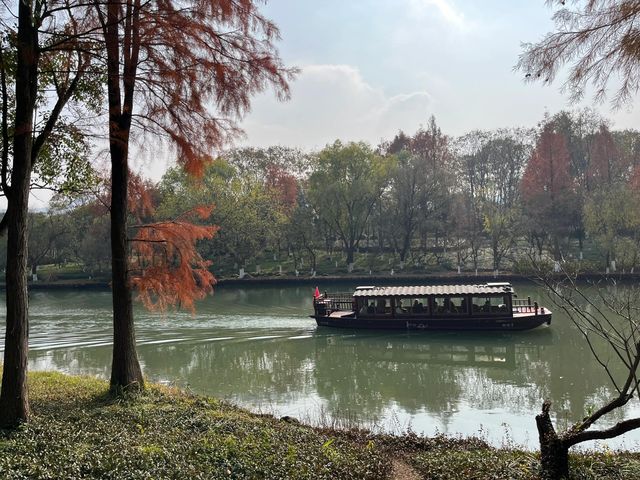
{"x":485,"y":200}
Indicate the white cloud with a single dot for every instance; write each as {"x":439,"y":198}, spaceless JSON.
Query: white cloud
{"x":446,"y":8}
{"x":330,"y":102}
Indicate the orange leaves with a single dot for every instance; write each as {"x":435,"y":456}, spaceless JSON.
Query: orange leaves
{"x":167,"y":270}
{"x":605,"y":159}
{"x":283,"y":185}
{"x":200,"y":64}
{"x":548,"y":171}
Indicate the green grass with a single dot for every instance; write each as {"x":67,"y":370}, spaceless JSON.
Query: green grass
{"x":448,"y":459}
{"x":78,"y":430}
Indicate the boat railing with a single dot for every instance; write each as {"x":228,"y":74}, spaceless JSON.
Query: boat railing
{"x":521,"y":305}
{"x":336,"y":301}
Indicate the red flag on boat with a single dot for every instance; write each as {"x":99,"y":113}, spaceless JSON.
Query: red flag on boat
{"x":316,"y":294}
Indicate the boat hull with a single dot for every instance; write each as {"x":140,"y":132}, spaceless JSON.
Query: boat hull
{"x":515,"y":323}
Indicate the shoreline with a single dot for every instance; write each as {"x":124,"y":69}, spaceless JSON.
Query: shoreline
{"x":406,"y":279}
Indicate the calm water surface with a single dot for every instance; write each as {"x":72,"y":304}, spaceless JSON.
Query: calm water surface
{"x":257,"y":347}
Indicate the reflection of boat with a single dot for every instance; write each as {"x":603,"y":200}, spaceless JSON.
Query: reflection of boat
{"x":489,"y":306}
{"x":439,"y":349}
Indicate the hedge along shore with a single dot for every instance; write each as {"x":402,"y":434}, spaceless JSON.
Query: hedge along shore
{"x":78,"y":430}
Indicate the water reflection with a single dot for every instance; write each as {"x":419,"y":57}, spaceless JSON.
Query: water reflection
{"x":257,"y":347}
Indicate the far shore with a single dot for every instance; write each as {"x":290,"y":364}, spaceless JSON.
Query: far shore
{"x":322,"y":280}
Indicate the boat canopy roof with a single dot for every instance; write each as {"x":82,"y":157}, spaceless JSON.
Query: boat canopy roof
{"x":426,"y":290}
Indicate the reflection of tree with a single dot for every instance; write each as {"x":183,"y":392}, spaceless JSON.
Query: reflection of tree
{"x":252,"y":371}
{"x":368,"y":373}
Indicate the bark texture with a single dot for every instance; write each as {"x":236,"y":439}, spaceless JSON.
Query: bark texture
{"x":554,"y":451}
{"x":125,"y":368}
{"x":14,"y":400}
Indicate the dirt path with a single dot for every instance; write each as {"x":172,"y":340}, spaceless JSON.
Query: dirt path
{"x":403,"y":471}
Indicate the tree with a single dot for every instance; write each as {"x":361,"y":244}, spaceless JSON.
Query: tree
{"x":344,"y":188}
{"x":249,"y":212}
{"x":579,"y":129}
{"x":600,"y":38}
{"x":548,"y":189}
{"x":508,"y":151}
{"x":419,"y":186}
{"x":611,"y":214}
{"x":473,"y":171}
{"x":45,"y":230}
{"x":610,"y":326}
{"x":605,"y":162}
{"x":599,"y":41}
{"x":166,"y":63}
{"x":48,"y":51}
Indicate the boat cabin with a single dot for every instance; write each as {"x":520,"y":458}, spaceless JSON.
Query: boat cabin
{"x":433,"y":301}
{"x":487,"y":306}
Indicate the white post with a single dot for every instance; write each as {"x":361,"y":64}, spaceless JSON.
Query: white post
{"x":241,"y":273}
{"x":279,"y":269}
{"x":350,"y":267}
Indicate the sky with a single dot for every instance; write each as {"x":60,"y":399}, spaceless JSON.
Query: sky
{"x":372,"y":67}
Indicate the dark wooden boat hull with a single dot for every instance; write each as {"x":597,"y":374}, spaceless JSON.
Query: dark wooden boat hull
{"x":516,"y":323}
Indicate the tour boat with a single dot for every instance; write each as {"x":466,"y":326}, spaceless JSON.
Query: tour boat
{"x":489,"y":306}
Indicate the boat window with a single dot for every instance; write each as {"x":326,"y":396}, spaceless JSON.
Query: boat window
{"x":489,"y":304}
{"x":365,"y":306}
{"x":414,"y":305}
{"x":450,"y":305}
{"x":377,"y":306}
{"x":407,"y":306}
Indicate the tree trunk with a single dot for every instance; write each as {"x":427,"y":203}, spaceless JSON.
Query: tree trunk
{"x":125,"y":368}
{"x":554,"y":452}
{"x":14,"y":400}
{"x":350,"y":254}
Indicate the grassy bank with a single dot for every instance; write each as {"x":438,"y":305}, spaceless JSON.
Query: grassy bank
{"x":79,"y":431}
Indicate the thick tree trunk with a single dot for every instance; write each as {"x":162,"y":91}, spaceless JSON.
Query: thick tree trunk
{"x":125,"y":368}
{"x":14,"y":400}
{"x":554,"y":452}
{"x":350,"y":254}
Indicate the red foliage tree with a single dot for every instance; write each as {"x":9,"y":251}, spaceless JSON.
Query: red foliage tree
{"x":548,"y":189}
{"x":284,"y":187}
{"x":605,"y":162}
{"x":167,"y":270}
{"x":177,"y":59}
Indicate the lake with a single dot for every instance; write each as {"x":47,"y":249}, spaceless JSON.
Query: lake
{"x":257,"y":347}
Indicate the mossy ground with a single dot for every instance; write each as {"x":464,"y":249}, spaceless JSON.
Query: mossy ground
{"x":78,"y":430}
